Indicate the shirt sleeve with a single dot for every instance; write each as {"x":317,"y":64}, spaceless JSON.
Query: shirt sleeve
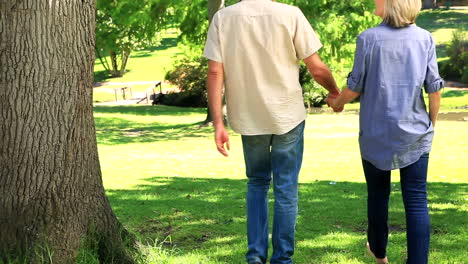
{"x":212,"y":49}
{"x":306,"y":42}
{"x":357,"y":76}
{"x":433,"y":81}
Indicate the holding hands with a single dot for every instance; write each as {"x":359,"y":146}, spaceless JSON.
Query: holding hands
{"x":337,"y":102}
{"x":331,"y":102}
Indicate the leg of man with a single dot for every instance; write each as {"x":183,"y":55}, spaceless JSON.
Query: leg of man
{"x":286,"y":160}
{"x":413,"y":186}
{"x":378,"y":192}
{"x":258,"y":169}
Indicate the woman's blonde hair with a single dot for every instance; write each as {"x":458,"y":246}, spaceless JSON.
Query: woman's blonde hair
{"x":401,"y":13}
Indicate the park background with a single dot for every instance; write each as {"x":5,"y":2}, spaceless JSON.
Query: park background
{"x":167,"y":183}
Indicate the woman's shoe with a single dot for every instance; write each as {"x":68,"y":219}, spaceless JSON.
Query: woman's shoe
{"x":377,"y":260}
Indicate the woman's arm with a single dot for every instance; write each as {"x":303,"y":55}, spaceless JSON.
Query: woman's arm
{"x":356,"y":79}
{"x":434,"y":106}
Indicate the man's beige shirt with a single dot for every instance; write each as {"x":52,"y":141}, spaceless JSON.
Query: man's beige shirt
{"x":260,"y":43}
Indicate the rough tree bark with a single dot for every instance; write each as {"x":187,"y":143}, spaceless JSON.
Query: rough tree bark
{"x":51,"y":191}
{"x":429,"y":4}
{"x":213,"y":7}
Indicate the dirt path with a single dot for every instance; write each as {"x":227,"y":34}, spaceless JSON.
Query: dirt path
{"x":454,"y":116}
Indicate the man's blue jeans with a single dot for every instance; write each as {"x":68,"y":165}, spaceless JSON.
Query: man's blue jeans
{"x":280,"y":156}
{"x":413,"y":187}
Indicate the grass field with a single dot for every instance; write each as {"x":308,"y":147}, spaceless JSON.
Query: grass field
{"x":149,"y":64}
{"x":441,"y":23}
{"x":167,"y":184}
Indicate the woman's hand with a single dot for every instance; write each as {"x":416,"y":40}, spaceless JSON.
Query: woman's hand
{"x":331,"y":101}
{"x":345,"y":97}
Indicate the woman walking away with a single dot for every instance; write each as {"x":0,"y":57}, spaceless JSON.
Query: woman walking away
{"x":393,"y":62}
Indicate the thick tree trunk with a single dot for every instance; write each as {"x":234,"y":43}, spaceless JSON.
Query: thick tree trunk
{"x":213,"y":7}
{"x":429,"y":4}
{"x":51,"y":191}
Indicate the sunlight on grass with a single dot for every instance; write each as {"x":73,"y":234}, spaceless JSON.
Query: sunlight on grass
{"x":166,"y":182}
{"x":441,"y":23}
{"x":149,"y":64}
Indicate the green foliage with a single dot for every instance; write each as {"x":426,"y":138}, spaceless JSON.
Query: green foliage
{"x":189,"y":74}
{"x":457,"y":50}
{"x":314,"y":94}
{"x":194,"y":22}
{"x":125,"y":25}
{"x":338,"y":23}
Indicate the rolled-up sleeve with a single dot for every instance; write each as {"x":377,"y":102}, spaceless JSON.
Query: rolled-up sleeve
{"x":433,"y":81}
{"x":306,"y":41}
{"x":357,"y":76}
{"x":212,"y":49}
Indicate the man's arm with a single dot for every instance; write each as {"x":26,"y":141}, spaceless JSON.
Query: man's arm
{"x":434,"y":106}
{"x":215,"y":82}
{"x":322,"y":74}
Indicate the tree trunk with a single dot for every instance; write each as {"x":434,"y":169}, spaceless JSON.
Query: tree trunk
{"x":213,"y":7}
{"x":115,"y":66}
{"x":123,"y":67}
{"x":51,"y":190}
{"x":427,"y":4}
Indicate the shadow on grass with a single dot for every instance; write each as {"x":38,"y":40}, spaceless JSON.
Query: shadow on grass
{"x":156,"y":110}
{"x":208,"y":214}
{"x":439,"y":19}
{"x":166,"y":43}
{"x":100,"y":76}
{"x":123,"y":130}
{"x":454,"y":93}
{"x":115,"y":131}
{"x":442,"y":19}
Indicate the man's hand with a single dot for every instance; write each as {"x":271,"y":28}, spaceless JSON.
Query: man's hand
{"x":345,"y":97}
{"x":222,"y":139}
{"x":215,"y":91}
{"x":331,"y":102}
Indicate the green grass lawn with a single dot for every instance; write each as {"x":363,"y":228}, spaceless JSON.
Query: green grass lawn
{"x":167,"y":183}
{"x":144,"y":65}
{"x":149,"y":64}
{"x":441,"y":23}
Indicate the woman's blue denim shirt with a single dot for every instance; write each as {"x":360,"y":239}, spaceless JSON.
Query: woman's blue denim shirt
{"x":390,"y":68}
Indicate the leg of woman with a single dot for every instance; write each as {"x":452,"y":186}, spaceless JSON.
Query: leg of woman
{"x":378,"y":192}
{"x":413,"y":186}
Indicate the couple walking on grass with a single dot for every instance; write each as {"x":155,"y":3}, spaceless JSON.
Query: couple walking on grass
{"x":254,"y":48}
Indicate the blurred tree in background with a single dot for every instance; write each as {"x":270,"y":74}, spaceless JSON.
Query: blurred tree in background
{"x":125,"y":25}
{"x":336,"y":22}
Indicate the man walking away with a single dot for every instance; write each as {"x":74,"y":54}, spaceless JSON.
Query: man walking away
{"x":254,"y":48}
